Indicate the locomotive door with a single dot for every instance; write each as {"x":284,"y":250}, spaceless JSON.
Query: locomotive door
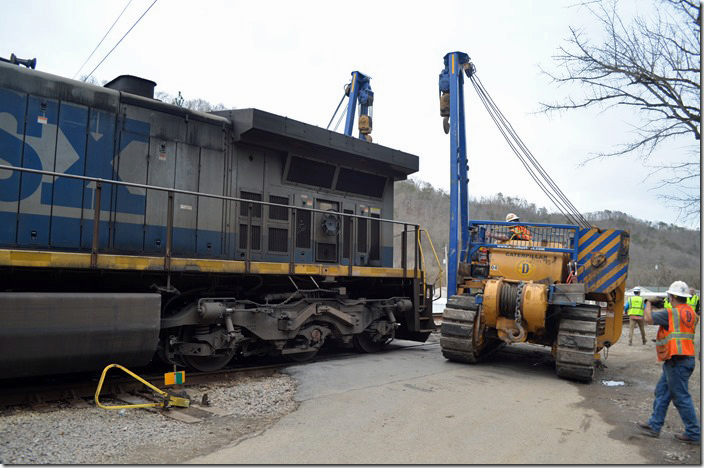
{"x":326,"y":231}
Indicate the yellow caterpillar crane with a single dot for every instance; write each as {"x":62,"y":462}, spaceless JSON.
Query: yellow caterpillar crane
{"x":558,"y":285}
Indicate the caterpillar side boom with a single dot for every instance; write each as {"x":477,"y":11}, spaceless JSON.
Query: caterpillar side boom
{"x":563,"y":288}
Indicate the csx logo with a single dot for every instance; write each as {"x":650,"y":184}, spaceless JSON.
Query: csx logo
{"x":524,"y":268}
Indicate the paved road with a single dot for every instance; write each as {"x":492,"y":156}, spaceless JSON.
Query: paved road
{"x":414,"y":407}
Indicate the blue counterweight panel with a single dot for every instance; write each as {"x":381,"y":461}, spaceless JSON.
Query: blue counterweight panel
{"x":130,"y":202}
{"x":40,"y":151}
{"x":12,"y":113}
{"x":66,"y":195}
{"x":210,"y":210}
{"x":99,"y":163}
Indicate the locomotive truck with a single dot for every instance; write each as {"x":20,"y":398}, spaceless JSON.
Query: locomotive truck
{"x":131,"y":228}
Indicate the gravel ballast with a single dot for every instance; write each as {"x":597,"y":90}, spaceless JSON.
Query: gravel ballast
{"x":70,"y":435}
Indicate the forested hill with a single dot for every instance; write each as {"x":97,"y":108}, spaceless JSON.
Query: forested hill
{"x":675,"y":251}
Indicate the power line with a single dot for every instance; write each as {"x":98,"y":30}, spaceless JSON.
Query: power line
{"x":118,"y":42}
{"x":101,"y":41}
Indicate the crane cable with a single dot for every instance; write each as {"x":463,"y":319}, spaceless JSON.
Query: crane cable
{"x":535,"y":170}
{"x":118,"y":42}
{"x":101,"y":41}
{"x":530,"y":156}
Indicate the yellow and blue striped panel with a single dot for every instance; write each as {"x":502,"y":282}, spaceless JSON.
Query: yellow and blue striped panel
{"x":602,"y":262}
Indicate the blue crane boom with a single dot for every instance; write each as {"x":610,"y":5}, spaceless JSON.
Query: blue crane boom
{"x":452,"y":110}
{"x":360,"y":92}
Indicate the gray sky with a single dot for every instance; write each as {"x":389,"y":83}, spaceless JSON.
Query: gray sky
{"x":294,"y":57}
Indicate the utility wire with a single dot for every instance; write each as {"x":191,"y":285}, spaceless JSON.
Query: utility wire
{"x":118,"y":42}
{"x":535,"y":170}
{"x":101,"y":41}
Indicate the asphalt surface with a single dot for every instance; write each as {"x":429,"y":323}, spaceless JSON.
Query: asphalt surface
{"x":415,"y":407}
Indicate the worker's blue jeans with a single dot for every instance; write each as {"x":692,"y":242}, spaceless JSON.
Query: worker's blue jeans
{"x":674,"y":386}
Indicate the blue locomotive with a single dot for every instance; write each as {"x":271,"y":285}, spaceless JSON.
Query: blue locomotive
{"x":131,"y":228}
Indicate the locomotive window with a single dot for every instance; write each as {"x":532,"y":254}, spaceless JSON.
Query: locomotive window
{"x":306,"y":171}
{"x":375,"y":238}
{"x":278,"y":240}
{"x":303,"y":231}
{"x":256,"y":237}
{"x":276,"y":212}
{"x":360,"y":183}
{"x":256,"y":208}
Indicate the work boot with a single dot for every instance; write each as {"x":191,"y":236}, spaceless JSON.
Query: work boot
{"x":647,"y":430}
{"x":687,"y":440}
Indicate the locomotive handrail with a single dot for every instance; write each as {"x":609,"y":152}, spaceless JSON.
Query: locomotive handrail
{"x":170,"y":219}
{"x":189,"y":192}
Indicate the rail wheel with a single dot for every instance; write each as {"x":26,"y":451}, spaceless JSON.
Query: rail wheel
{"x":301,"y":357}
{"x":364,"y":343}
{"x":208,"y":363}
{"x":463,"y":334}
{"x":576,"y":343}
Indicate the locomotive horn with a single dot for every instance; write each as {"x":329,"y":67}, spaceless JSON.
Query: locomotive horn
{"x":29,"y":63}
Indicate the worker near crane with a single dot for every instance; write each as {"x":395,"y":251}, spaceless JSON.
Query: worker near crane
{"x":635,"y":305}
{"x":675,"y":349}
{"x":693,"y":301}
{"x":516,"y":232}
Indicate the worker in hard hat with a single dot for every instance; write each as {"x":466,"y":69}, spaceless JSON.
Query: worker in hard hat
{"x":675,"y":349}
{"x":635,"y":305}
{"x":693,"y":301}
{"x":514,"y":232}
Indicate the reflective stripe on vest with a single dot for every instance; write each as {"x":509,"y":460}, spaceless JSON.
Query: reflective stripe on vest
{"x":678,"y":339}
{"x":636,"y":305}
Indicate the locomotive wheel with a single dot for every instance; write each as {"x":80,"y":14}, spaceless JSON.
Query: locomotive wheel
{"x":463,"y":334}
{"x":208,"y":363}
{"x":301,"y":357}
{"x":576,"y":343}
{"x":364,"y":343}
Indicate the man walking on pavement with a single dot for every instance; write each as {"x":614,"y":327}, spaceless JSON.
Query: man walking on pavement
{"x":635,"y":305}
{"x":675,"y":349}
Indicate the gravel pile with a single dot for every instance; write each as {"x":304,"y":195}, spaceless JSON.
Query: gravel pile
{"x":92,"y":435}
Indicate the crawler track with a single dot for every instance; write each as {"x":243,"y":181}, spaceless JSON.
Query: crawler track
{"x":460,"y":339}
{"x":576,"y":343}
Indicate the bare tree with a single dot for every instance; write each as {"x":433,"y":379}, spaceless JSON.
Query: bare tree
{"x":649,"y":64}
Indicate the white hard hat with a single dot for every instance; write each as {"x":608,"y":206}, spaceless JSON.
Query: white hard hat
{"x":636,"y":289}
{"x":511,"y":217}
{"x":679,"y":288}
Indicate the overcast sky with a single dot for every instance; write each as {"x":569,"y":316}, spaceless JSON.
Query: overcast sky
{"x":293,"y":58}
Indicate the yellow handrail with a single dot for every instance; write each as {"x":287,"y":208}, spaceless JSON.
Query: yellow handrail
{"x":437,"y":261}
{"x":167,"y":399}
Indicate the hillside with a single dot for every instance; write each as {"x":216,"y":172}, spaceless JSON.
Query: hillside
{"x":660,"y":253}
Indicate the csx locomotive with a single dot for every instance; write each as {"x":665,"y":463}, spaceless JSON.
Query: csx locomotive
{"x":131,"y":228}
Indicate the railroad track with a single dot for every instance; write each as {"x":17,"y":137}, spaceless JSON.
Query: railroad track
{"x":75,"y":390}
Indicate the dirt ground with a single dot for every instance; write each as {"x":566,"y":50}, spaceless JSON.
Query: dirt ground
{"x":625,"y":405}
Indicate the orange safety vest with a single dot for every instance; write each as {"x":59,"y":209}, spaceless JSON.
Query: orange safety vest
{"x":678,"y":339}
{"x":520,"y":233}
